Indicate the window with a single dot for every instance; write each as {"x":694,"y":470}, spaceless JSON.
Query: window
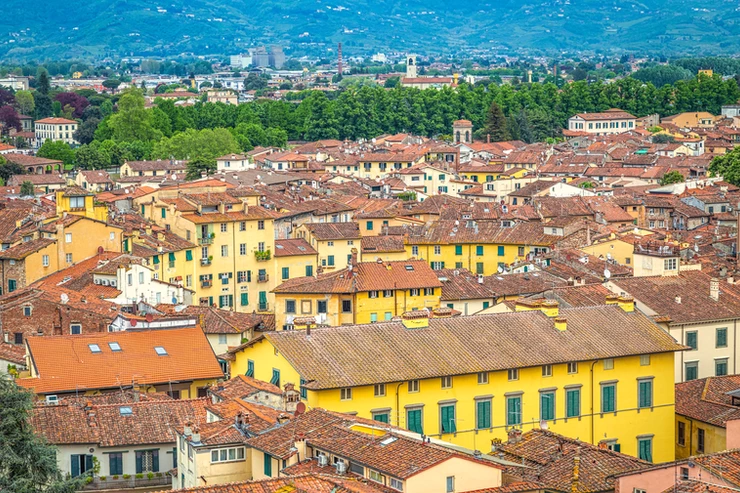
{"x":446,"y":382}
{"x":369,"y":225}
{"x":608,"y":398}
{"x":383,"y":417}
{"x":275,"y":380}
{"x":572,"y":368}
{"x":720,"y":367}
{"x":413,"y":386}
{"x":681,"y":435}
{"x":546,"y":370}
{"x":513,"y":374}
{"x":261,"y":246}
{"x":321,"y":306}
{"x":345,"y":394}
{"x":68,"y":238}
{"x":379,"y":390}
{"x":224,"y":250}
{"x":450,"y":484}
{"x":160,"y":351}
{"x":387,"y":293}
{"x":447,"y":418}
{"x":692,"y":340}
{"x":645,"y":391}
{"x":260,"y":224}
{"x":114,"y":346}
{"x":376,"y":476}
{"x":415,"y":251}
{"x":414,"y":421}
{"x":242,"y":226}
{"x":77,"y":202}
{"x":691,"y":371}
{"x":45,"y":260}
{"x":68,"y":258}
{"x":514,"y":410}
{"x":483,"y":378}
{"x":500,"y":251}
{"x":458,"y":250}
{"x":684,"y":473}
{"x":286,"y":273}
{"x":75,"y":329}
{"x":18,"y":338}
{"x":396,"y":484}
{"x":267,"y":465}
{"x":547,"y":405}
{"x":609,"y":364}
{"x":479,"y":250}
{"x":115,"y":463}
{"x":373,"y":294}
{"x":242,"y":249}
{"x":644,"y":360}
{"x":330,"y":243}
{"x":437,"y":250}
{"x":670,"y":264}
{"x":250,"y":368}
{"x":244,"y":299}
{"x":572,"y":403}
{"x":438,"y":266}
{"x":482,"y":414}
{"x":224,"y":227}
{"x":645,"y":448}
{"x":227,"y":454}
{"x":346,"y":306}
{"x":330,"y":260}
{"x":147,"y":461}
{"x":721,"y":337}
{"x":27,"y":311}
{"x":700,"y":440}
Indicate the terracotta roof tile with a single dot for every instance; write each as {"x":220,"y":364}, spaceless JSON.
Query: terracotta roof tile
{"x":293,"y":246}
{"x":707,"y":400}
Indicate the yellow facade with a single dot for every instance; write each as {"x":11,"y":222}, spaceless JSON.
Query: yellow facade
{"x":481,"y":258}
{"x":82,"y":204}
{"x":715,"y":438}
{"x":376,"y":306}
{"x":34,"y":263}
{"x":333,"y":254}
{"x":488,"y":176}
{"x":296,"y":265}
{"x":617,"y":249}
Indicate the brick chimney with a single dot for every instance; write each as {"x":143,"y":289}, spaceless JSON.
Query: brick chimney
{"x":714,"y":289}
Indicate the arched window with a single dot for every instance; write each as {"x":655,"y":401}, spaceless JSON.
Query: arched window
{"x":457,"y":136}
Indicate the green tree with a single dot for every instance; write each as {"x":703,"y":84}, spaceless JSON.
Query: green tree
{"x":663,"y":139}
{"x":391,"y":82}
{"x":57,"y":149}
{"x":255,"y":82}
{"x":672,"y":177}
{"x":28,"y":463}
{"x":111,"y":84}
{"x":321,"y":122}
{"x":196,"y":167}
{"x":727,"y":166}
{"x":496,"y":126}
{"x":43,"y":85}
{"x":27,"y":189}
{"x":24,"y":102}
{"x":132,"y":121}
{"x":192,"y":144}
{"x":89,"y":157}
{"x":9,"y":169}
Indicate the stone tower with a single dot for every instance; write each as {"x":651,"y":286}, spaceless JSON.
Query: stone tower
{"x":462,"y":132}
{"x":411,"y":67}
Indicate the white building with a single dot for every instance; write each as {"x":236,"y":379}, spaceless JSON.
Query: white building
{"x":56,"y":129}
{"x":234,"y":162}
{"x":613,"y":121}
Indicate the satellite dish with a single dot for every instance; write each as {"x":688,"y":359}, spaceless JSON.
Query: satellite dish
{"x":543,"y":425}
{"x":500,"y":269}
{"x":609,"y":256}
{"x":149,"y":317}
{"x":300,"y":408}
{"x":607,"y":274}
{"x":174,"y":300}
{"x":133,"y":323}
{"x":65,"y":298}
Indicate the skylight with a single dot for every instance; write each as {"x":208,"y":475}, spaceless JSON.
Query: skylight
{"x":126,"y":410}
{"x":388,"y":441}
{"x":409,"y":267}
{"x":114,"y":346}
{"x":160,"y":350}
{"x":94,"y":348}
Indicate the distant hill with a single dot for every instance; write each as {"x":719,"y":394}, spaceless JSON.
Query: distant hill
{"x":94,"y":28}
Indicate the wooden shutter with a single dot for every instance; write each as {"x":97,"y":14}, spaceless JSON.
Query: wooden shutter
{"x":155,"y":460}
{"x":138,"y":463}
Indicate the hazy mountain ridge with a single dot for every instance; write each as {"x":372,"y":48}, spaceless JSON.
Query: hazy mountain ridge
{"x":91,"y":28}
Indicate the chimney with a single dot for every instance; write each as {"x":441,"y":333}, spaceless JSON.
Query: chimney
{"x":187,"y":430}
{"x":714,"y":289}
{"x":612,"y":299}
{"x":678,"y":300}
{"x":627,"y":303}
{"x":561,"y":324}
{"x":575,"y":478}
{"x":195,"y":438}
{"x":417,"y":319}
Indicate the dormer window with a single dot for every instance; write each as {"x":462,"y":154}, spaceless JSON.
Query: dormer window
{"x":77,"y":202}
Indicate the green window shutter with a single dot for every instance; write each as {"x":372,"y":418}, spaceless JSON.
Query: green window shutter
{"x":245,"y":299}
{"x":448,"y":419}
{"x":330,"y":260}
{"x":646,"y":450}
{"x":268,"y":465}
{"x":188,"y":255}
{"x":381,"y":417}
{"x":483,"y":414}
{"x":479,"y":250}
{"x":607,"y":399}
{"x":479,"y":268}
{"x":486,"y":304}
{"x":309,"y":270}
{"x":691,"y":340}
{"x":263,"y":296}
{"x":172,"y":256}
{"x":547,"y":406}
{"x":138,"y":463}
{"x":250,"y":368}
{"x":164,"y":213}
{"x":155,"y":461}
{"x":646,"y":394}
{"x":155,"y":259}
{"x":286,"y":272}
{"x":573,"y":403}
{"x":413,"y":421}
{"x":125,"y":245}
{"x":275,"y":380}
{"x":11,"y":285}
{"x":722,"y":337}
{"x":304,"y":390}
{"x":369,"y":225}
{"x":501,"y":251}
{"x":513,"y":411}
{"x":458,"y":249}
{"x":75,"y":465}
{"x":143,"y":209}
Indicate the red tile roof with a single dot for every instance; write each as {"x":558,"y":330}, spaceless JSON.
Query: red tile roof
{"x":706,"y":399}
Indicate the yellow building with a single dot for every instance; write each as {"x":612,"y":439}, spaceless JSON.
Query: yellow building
{"x":294,"y":258}
{"x":232,"y":264}
{"x":365,"y":292}
{"x":482,"y":247}
{"x":334,"y":242}
{"x":374,"y":164}
{"x":603,"y":374}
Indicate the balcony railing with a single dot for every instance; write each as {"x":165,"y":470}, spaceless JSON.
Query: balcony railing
{"x":205,"y":240}
{"x":159,"y":480}
{"x":206,"y":284}
{"x":263,"y":278}
{"x":205,"y":261}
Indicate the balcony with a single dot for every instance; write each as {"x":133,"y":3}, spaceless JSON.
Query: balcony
{"x":263,"y":278}
{"x":206,"y":283}
{"x":262,"y":256}
{"x":157,"y":481}
{"x":205,"y":240}
{"x":206,"y":261}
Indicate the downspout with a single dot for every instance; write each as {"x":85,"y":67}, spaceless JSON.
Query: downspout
{"x":398,"y":405}
{"x":592,"y":403}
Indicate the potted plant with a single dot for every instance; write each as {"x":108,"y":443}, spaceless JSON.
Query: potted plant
{"x":150,"y":476}
{"x":212,"y":235}
{"x":126,"y":476}
{"x":102,"y":478}
{"x":115,"y":476}
{"x":139,"y":476}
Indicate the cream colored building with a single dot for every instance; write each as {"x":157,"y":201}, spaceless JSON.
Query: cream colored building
{"x":613,"y":121}
{"x":56,"y":129}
